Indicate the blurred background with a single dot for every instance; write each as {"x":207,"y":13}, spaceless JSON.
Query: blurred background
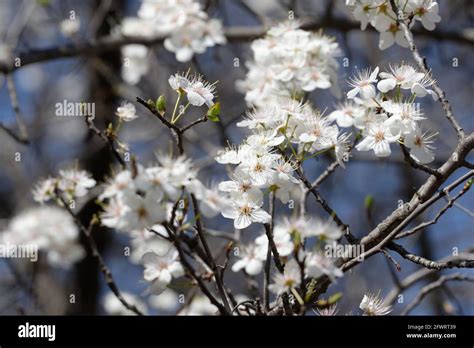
{"x":55,"y":142}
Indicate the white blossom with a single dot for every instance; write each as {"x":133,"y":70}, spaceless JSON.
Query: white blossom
{"x":378,"y":137}
{"x":362,"y":84}
{"x":249,"y":261}
{"x":51,"y":230}
{"x":244,"y":211}
{"x":126,"y":112}
{"x":160,"y":270}
{"x":290,"y":278}
{"x":420,"y":145}
{"x":113,"y":306}
{"x":373,"y":305}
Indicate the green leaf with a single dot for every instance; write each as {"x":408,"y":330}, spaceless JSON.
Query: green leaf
{"x":369,"y":202}
{"x":214,"y":112}
{"x":334,"y":298}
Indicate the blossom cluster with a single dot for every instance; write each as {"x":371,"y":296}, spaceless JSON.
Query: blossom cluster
{"x":382,"y":106}
{"x":139,"y":203}
{"x":186,"y":27}
{"x":292,"y":236}
{"x":49,"y":229}
{"x":260,"y":161}
{"x":69,"y":184}
{"x":290,"y":60}
{"x":381,"y":16}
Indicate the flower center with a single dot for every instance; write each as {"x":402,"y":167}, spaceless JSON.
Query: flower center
{"x":142,"y":213}
{"x":245,"y":210}
{"x":418,"y":141}
{"x":245,"y":187}
{"x":379,"y":136}
{"x":259,"y":167}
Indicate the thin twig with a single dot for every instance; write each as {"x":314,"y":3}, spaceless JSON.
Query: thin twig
{"x":417,"y":165}
{"x":202,"y":237}
{"x":95,"y":252}
{"x":458,"y":263}
{"x":433,"y":286}
{"x":422,"y":64}
{"x":107,"y":139}
{"x":443,"y":210}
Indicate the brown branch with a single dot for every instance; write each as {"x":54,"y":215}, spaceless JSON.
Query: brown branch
{"x":107,"y":139}
{"x":417,"y":165}
{"x":433,"y":286}
{"x":429,"y":264}
{"x":176,"y":131}
{"x":192,"y":272}
{"x":443,"y":210}
{"x":233,"y":34}
{"x":427,"y":190}
{"x":415,"y":212}
{"x":268,"y":261}
{"x":22,"y":136}
{"x":210,"y":257}
{"x":109,"y":279}
{"x":415,"y":277}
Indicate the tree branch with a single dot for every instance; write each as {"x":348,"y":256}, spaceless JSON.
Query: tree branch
{"x":433,"y":286}
{"x":422,"y":64}
{"x":95,"y":252}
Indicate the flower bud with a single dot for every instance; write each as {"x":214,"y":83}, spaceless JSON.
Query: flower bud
{"x":160,"y":105}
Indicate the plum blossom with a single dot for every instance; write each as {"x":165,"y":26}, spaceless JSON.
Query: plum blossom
{"x":290,"y":278}
{"x":74,"y":182}
{"x":198,"y":91}
{"x":402,"y":75}
{"x":378,"y":138}
{"x":420,"y":145}
{"x":244,"y":211}
{"x":126,"y":112}
{"x":187,"y":29}
{"x":161,"y":269}
{"x":317,"y":264}
{"x":51,"y":229}
{"x":373,"y":305}
{"x":362,"y":84}
{"x":113,"y":306}
{"x":249,"y":260}
{"x":380,"y":15}
{"x":345,"y":113}
{"x":289,"y":59}
{"x":136,"y":64}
